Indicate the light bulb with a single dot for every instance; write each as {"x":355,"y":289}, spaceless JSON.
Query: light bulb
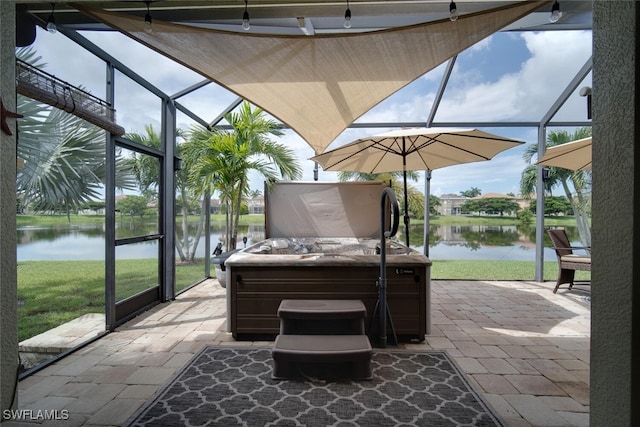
{"x":453,"y":11}
{"x":347,"y":19}
{"x":147,"y":23}
{"x":555,"y":12}
{"x":246,"y":25}
{"x":51,"y":25}
{"x":51,"y":21}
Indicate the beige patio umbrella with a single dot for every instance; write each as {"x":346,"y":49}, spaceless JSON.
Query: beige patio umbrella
{"x":415,"y":149}
{"x":575,"y":155}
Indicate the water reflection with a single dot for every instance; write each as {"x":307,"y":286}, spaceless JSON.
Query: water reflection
{"x":86,"y":242}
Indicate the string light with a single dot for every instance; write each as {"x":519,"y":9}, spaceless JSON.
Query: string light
{"x":555,"y":12}
{"x":246,"y":25}
{"x":453,"y":11}
{"x":51,"y":21}
{"x":347,"y":17}
{"x":148,"y":20}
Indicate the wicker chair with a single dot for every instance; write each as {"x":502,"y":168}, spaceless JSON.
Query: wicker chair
{"x":568,"y":262}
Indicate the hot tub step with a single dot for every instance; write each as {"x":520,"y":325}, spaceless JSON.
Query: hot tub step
{"x":322,"y":317}
{"x":322,"y":356}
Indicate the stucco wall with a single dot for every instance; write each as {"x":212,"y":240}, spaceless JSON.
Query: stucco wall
{"x":8,"y":280}
{"x":614,"y":402}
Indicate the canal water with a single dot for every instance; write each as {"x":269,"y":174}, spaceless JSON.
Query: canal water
{"x":447,"y":242}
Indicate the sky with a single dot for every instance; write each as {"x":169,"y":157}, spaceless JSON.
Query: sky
{"x":514,"y":76}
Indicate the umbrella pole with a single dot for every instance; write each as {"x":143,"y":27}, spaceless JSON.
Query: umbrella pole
{"x":382,"y":280}
{"x":381,"y":308}
{"x":427,"y":210}
{"x":406,"y":197}
{"x":406,"y":210}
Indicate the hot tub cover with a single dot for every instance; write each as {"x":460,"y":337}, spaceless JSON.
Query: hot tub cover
{"x":323,"y":209}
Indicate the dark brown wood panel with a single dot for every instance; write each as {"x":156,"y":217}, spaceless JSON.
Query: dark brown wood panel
{"x":256,"y":293}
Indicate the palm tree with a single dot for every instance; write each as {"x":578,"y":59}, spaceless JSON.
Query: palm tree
{"x":64,"y":156}
{"x":580,"y":181}
{"x":222,"y":160}
{"x":146,"y":170}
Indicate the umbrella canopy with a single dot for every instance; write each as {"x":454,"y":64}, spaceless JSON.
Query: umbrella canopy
{"x":414,"y":149}
{"x":575,"y":155}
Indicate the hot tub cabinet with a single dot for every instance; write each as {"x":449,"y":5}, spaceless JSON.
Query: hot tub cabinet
{"x":323,"y":242}
{"x":257,"y":283}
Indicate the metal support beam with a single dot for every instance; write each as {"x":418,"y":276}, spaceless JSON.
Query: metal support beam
{"x":566,"y":93}
{"x":542,"y":137}
{"x":229,"y":108}
{"x":110,"y":214}
{"x":192,"y":115}
{"x":539,"y":268}
{"x":441,"y":89}
{"x":100,"y":53}
{"x":168,"y":197}
{"x":190,"y":89}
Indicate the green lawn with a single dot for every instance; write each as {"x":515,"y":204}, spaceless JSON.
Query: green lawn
{"x":54,"y":292}
{"x":34,"y":220}
{"x":549,"y":221}
{"x":24,"y":220}
{"x":495,"y":270}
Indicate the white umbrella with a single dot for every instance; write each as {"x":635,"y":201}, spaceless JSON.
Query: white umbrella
{"x":575,"y":155}
{"x":414,"y":149}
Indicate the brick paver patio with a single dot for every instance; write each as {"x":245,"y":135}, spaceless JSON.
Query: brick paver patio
{"x":525,"y":349}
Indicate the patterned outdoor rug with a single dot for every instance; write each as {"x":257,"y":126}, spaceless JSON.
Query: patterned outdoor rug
{"x":223,"y":386}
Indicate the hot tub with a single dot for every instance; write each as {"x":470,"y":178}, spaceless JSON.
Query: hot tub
{"x":325,"y":266}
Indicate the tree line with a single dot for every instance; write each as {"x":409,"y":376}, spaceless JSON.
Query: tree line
{"x":64,"y":170}
{"x":64,"y":166}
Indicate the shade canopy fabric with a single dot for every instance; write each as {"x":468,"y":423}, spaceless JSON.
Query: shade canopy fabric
{"x":414,"y":149}
{"x":317,"y":85}
{"x":575,"y":155}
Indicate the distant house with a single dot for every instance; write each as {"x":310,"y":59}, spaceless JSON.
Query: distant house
{"x":450,"y":204}
{"x":525,"y":202}
{"x":214,"y":206}
{"x":255,"y":205}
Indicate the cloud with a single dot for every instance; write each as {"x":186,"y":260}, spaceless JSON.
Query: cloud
{"x":482,"y":45}
{"x":525,"y":95}
{"x":159,"y":70}
{"x":135,"y":106}
{"x":477,"y":91}
{"x":500,"y":175}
